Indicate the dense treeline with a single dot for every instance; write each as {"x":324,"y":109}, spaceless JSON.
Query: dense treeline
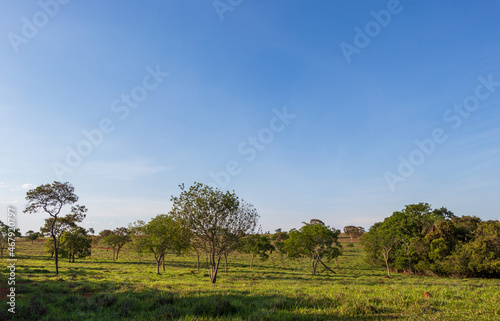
{"x":436,"y":242}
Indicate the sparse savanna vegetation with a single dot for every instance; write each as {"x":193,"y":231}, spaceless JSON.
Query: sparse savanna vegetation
{"x":204,"y":261}
{"x":100,"y":288}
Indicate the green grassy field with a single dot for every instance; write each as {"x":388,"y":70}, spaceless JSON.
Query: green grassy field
{"x":99,"y":288}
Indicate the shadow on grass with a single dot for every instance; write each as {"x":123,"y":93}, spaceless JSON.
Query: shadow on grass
{"x":55,"y":300}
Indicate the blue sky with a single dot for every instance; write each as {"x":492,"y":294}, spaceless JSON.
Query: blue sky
{"x":181,"y":92}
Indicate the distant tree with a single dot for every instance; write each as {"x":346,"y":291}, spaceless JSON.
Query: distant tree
{"x":32,"y":236}
{"x":101,"y":236}
{"x":75,"y":242}
{"x":117,"y":240}
{"x":279,"y":239}
{"x":354,"y":231}
{"x":217,"y":220}
{"x":256,"y":245}
{"x":5,"y":234}
{"x":51,"y":198}
{"x":91,"y":231}
{"x":318,"y":241}
{"x":162,"y":234}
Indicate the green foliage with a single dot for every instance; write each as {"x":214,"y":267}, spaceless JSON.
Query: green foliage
{"x":118,"y":238}
{"x":314,"y":240}
{"x":257,"y":245}
{"x":217,"y":220}
{"x":163,"y":233}
{"x":434,"y":242}
{"x":75,"y":243}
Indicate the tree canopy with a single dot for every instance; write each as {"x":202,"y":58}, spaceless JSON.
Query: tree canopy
{"x":216,"y":219}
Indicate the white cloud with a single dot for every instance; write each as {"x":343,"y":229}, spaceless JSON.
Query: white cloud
{"x":27,"y":186}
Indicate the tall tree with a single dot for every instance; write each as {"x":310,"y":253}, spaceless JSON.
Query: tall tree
{"x":315,"y":240}
{"x":217,"y":220}
{"x":52,"y":198}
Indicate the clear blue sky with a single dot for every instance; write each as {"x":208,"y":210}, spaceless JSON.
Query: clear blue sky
{"x":363,"y":81}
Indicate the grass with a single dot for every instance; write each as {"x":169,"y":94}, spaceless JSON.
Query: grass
{"x":99,"y":288}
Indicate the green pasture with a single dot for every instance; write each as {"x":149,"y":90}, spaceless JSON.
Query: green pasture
{"x":98,"y":288}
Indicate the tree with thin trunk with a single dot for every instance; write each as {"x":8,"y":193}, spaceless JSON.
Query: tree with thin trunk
{"x":380,"y":241}
{"x":117,"y":240}
{"x":314,"y":240}
{"x":32,"y":236}
{"x":216,"y":219}
{"x":161,"y":235}
{"x":256,"y":245}
{"x":52,"y":198}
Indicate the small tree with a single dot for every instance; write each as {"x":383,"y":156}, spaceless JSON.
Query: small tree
{"x":119,"y":237}
{"x":279,"y":239}
{"x":257,"y":245}
{"x":51,"y":198}
{"x":162,"y":234}
{"x":32,"y":236}
{"x":318,"y":241}
{"x":75,"y":243}
{"x":59,"y":226}
{"x":354,"y":231}
{"x":217,"y":220}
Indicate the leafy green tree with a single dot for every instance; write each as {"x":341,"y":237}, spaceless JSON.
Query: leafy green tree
{"x":58,"y":226}
{"x":162,"y":234}
{"x":32,"y":236}
{"x":5,"y":234}
{"x":279,"y":239}
{"x":75,"y":242}
{"x":217,"y":220}
{"x":52,"y":198}
{"x":380,"y":240}
{"x":354,"y":231}
{"x":256,"y":245}
{"x":117,"y":240}
{"x":316,"y":240}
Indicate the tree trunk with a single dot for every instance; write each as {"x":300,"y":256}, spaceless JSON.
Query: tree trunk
{"x":213,"y":277}
{"x":157,"y":259}
{"x":225,"y":262}
{"x":56,"y":253}
{"x":163,"y":261}
{"x":326,"y":267}
{"x":281,"y":260}
{"x":198,"y":261}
